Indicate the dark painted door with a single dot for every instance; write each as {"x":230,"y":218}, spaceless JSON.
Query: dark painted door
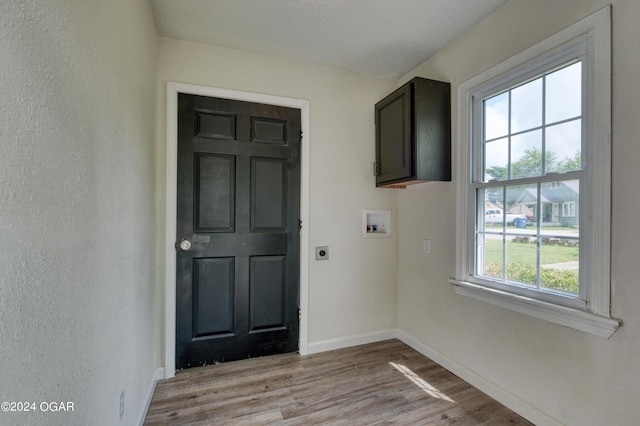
{"x":237,"y":283}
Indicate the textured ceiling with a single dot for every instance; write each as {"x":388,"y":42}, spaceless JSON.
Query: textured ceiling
{"x":385,"y":38}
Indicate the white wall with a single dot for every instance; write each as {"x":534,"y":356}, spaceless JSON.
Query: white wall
{"x":570,"y":376}
{"x":78,"y":317}
{"x":353,"y":293}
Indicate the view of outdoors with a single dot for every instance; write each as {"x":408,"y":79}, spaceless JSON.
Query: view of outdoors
{"x":528,"y":228}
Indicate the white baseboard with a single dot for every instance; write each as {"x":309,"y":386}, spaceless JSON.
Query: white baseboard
{"x":483,"y":384}
{"x":158,"y":375}
{"x":345,"y":342}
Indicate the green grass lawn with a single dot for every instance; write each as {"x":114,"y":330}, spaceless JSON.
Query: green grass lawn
{"x":526,"y":253}
{"x":521,"y":264}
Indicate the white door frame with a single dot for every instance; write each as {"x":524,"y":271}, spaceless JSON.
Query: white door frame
{"x":171,"y":206}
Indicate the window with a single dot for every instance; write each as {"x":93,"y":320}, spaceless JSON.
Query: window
{"x":569,"y":209}
{"x":534,"y":158}
{"x":528,"y":162}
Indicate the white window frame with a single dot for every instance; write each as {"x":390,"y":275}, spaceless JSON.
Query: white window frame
{"x":591,"y":35}
{"x":569,"y":209}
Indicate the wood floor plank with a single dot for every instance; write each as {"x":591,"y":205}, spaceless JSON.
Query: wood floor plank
{"x":382,"y":383}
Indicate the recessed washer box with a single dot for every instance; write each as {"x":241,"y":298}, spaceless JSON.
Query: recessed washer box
{"x":376,"y":223}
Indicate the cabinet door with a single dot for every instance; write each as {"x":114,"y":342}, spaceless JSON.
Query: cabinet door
{"x":394,"y":137}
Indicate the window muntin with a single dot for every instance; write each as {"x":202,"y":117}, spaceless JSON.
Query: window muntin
{"x":530,"y":173}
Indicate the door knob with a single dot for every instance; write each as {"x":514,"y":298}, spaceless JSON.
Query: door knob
{"x":185,"y":245}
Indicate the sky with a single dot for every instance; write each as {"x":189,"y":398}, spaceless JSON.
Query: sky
{"x":556,"y":97}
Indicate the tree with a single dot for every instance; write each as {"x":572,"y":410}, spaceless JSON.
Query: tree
{"x":530,"y":164}
{"x":571,"y":164}
{"x":497,"y":173}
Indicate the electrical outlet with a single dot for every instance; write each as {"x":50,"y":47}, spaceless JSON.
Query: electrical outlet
{"x":322,"y":253}
{"x":426,"y":246}
{"x":121,"y":405}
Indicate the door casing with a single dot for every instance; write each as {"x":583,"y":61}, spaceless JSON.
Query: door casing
{"x":173,"y":89}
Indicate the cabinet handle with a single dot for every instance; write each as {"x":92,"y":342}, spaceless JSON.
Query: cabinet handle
{"x":375,"y":169}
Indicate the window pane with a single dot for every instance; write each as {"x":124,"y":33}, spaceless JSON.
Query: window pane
{"x":526,"y":106}
{"x":496,"y":159}
{"x":496,"y":116}
{"x":522,"y":247}
{"x":563,"y":147}
{"x":559,"y":264}
{"x":553,"y":198}
{"x":526,"y":155}
{"x":490,"y":255}
{"x":521,"y":261}
{"x":563,"y":94}
{"x":521,"y":204}
{"x":560,"y":235}
{"x":490,"y":208}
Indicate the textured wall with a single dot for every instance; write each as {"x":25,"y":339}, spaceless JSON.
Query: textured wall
{"x":353,"y":293}
{"x":573,"y":377}
{"x":77,"y":135}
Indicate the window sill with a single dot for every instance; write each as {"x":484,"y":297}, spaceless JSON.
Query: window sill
{"x":568,"y":317}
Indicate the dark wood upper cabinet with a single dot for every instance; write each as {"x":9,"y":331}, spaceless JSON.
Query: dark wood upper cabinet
{"x":413,"y":134}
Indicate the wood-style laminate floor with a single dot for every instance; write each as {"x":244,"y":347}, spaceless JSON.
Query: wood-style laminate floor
{"x":374,"y":384}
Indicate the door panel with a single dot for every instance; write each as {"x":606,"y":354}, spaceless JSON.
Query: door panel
{"x":268,"y":284}
{"x":237,"y":286}
{"x":215,"y":125}
{"x":215,"y":182}
{"x":268,"y":194}
{"x":264,"y":130}
{"x":213,"y":296}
